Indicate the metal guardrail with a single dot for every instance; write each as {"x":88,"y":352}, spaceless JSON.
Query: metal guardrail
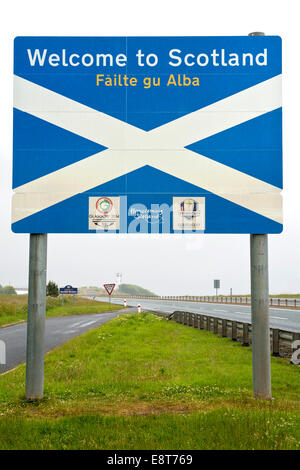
{"x":274,"y":301}
{"x":280,"y":340}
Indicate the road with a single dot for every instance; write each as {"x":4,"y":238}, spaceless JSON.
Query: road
{"x":281,"y":318}
{"x":58,"y":331}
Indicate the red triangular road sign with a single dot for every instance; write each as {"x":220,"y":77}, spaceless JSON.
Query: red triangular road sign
{"x":109,"y":288}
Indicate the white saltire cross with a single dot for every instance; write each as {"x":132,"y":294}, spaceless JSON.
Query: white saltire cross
{"x":129,"y":148}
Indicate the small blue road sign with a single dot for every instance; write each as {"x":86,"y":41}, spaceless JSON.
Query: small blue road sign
{"x":147,"y":134}
{"x":68,"y":290}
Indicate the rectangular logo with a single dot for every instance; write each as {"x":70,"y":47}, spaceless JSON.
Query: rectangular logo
{"x":104,"y":213}
{"x":189,"y":213}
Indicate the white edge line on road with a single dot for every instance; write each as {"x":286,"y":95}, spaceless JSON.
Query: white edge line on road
{"x":278,"y":318}
{"x":87,"y":324}
{"x":286,"y":309}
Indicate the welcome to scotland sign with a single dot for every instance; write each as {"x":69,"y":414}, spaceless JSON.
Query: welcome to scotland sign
{"x":147,"y":134}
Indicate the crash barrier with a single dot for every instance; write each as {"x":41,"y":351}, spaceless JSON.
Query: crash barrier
{"x":246,"y":300}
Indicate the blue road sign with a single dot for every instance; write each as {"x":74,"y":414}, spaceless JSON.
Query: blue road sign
{"x":68,"y":290}
{"x":147,"y":134}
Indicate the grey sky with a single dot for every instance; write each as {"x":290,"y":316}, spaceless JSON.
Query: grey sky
{"x":174,"y":264}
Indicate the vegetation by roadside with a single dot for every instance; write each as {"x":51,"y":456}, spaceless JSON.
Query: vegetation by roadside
{"x":7,"y":290}
{"x":287,"y":296}
{"x":52,"y":289}
{"x":13,"y":308}
{"x":142,"y":382}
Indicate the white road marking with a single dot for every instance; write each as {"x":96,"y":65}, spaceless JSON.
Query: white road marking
{"x":287,"y":310}
{"x":278,"y":318}
{"x":76,"y":324}
{"x":87,"y":324}
{"x":215,"y":310}
{"x":271,"y":317}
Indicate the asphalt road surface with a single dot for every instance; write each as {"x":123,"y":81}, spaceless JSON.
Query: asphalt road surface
{"x":281,"y":318}
{"x":58,"y":331}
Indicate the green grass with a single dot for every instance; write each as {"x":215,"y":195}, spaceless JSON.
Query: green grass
{"x":287,"y":296}
{"x":139,"y":382}
{"x":13,"y":308}
{"x":204,"y":431}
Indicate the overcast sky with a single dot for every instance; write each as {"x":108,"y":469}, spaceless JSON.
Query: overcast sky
{"x":166,"y":264}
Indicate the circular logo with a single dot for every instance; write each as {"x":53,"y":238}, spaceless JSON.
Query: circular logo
{"x":104,"y":205}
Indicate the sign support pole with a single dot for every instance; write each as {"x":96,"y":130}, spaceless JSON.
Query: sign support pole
{"x":261,"y":361}
{"x":36,"y":316}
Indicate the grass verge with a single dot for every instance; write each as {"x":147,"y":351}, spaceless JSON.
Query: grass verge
{"x":13,"y":308}
{"x":141,"y":382}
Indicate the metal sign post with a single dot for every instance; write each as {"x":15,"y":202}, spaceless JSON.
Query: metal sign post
{"x":261,"y":361}
{"x":217,"y":285}
{"x":109,"y":289}
{"x":36,"y":316}
{"x":68,"y":290}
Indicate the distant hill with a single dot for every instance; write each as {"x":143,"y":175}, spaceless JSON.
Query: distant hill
{"x":132,"y":289}
{"x":92,"y":290}
{"x":123,"y":289}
